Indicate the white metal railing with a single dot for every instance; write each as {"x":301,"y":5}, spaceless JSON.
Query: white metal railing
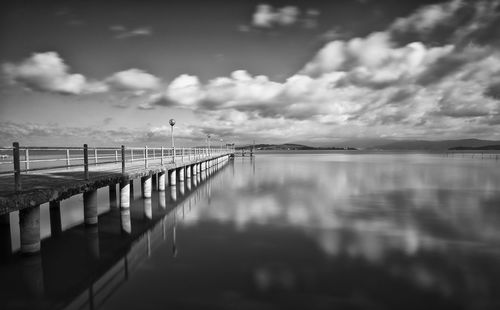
{"x":25,"y":159}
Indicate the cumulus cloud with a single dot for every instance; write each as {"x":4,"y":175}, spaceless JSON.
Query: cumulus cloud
{"x":460,"y":22}
{"x":48,"y":72}
{"x":133,"y":80}
{"x":266,"y":16}
{"x":428,"y":17}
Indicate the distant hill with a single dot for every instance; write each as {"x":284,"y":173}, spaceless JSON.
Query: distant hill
{"x":479,"y":148}
{"x":289,"y":147}
{"x":436,"y":145}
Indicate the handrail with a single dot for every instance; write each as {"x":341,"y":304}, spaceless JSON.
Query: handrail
{"x":23,"y":157}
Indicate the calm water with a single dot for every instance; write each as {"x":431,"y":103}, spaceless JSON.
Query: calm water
{"x":283,"y":231}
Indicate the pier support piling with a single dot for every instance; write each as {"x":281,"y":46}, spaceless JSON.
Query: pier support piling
{"x":55,"y":218}
{"x":131,"y":189}
{"x":124,"y":194}
{"x":188,"y":171}
{"x":29,"y":225}
{"x":146,"y":186}
{"x":181,"y":174}
{"x":161,"y":181}
{"x":90,"y":207}
{"x":172,"y":177}
{"x":112,"y":196}
{"x":5,"y":236}
{"x":154,"y":181}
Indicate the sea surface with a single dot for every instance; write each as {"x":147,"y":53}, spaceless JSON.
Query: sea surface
{"x":329,"y":230}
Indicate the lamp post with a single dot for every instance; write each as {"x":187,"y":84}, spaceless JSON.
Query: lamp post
{"x":172,"y":123}
{"x":208,"y":140}
{"x":221,"y":144}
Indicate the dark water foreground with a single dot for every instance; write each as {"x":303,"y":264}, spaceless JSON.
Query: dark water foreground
{"x":315,"y":231}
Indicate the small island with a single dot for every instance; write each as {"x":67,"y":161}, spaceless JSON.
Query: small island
{"x":291,"y":147}
{"x":477,"y":148}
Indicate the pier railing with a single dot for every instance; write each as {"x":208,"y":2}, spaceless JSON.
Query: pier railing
{"x":18,"y":159}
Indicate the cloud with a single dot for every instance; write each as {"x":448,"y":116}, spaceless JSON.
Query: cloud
{"x":133,"y":80}
{"x":366,"y":86}
{"x":428,"y":17}
{"x":48,"y":72}
{"x":122,"y":32}
{"x":459,"y":22}
{"x":265,"y":16}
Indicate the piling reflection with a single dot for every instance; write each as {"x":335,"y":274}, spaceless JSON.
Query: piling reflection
{"x":92,"y":242}
{"x":173,"y":193}
{"x":182,"y":186}
{"x":148,"y":208}
{"x":125,"y":221}
{"x":162,"y":200}
{"x":32,"y":275}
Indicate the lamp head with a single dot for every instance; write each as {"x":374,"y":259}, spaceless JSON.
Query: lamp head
{"x":171,"y":122}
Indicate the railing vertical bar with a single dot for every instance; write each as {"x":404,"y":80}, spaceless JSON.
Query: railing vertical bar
{"x":27,"y":159}
{"x":146,"y":156}
{"x":123,"y":159}
{"x":68,"y":163}
{"x":95,"y":156}
{"x":86,"y":161}
{"x":161,"y":161}
{"x":17,"y":166}
{"x":131,"y":155}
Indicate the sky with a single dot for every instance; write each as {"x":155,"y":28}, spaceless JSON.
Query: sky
{"x":114,"y":72}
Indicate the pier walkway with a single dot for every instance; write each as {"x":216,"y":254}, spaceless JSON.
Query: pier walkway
{"x":38,"y":177}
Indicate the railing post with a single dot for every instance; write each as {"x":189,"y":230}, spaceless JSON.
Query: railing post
{"x":116,"y":155}
{"x":145,"y":156}
{"x":131,"y":155}
{"x":26,"y":159}
{"x":86,"y":161}
{"x":123,"y":159}
{"x":161,"y":160}
{"x":95,"y":156}
{"x":17,"y":166}
{"x":173,"y":154}
{"x":67,"y":158}
{"x":154,"y":153}
{"x":182,"y":154}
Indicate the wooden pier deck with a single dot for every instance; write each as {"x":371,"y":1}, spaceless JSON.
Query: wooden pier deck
{"x":58,"y":184}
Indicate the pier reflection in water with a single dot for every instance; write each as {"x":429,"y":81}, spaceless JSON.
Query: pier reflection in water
{"x":300,"y":231}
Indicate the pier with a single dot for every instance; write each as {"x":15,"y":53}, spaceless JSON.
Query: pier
{"x":36,"y":175}
{"x":83,"y":266}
